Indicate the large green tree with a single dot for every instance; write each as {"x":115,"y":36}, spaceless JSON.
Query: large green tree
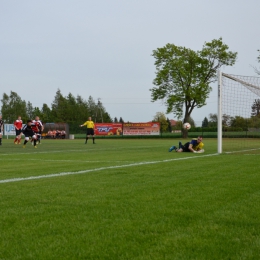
{"x":12,"y":107}
{"x":183,"y":76}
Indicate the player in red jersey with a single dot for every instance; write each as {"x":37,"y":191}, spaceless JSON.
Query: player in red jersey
{"x":38,"y":126}
{"x":35,"y":128}
{"x":18,"y":124}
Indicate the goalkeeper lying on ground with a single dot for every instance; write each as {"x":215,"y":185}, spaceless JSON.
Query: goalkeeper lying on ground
{"x":194,"y":146}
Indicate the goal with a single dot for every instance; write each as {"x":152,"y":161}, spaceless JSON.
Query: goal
{"x":238,"y":113}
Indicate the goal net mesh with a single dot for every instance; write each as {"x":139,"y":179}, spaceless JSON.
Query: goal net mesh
{"x":240,"y":113}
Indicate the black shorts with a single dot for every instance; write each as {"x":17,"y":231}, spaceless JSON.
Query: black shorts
{"x":90,"y":131}
{"x":18,"y":132}
{"x":185,"y":147}
{"x":28,"y":133}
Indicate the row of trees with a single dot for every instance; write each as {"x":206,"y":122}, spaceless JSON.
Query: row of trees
{"x":69,"y":109}
{"x":236,"y":121}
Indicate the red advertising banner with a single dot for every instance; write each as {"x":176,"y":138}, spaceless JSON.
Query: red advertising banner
{"x":152,"y":128}
{"x":108,"y":129}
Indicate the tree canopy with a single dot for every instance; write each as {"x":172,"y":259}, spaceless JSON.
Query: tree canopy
{"x":183,"y":76}
{"x":161,"y":118}
{"x":69,"y":109}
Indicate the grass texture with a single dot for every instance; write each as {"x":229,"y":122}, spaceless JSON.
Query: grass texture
{"x":127,"y":199}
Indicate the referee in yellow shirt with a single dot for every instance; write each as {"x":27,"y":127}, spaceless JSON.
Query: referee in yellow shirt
{"x":90,"y":129}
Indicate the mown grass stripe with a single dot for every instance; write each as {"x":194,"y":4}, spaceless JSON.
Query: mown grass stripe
{"x":101,"y":169}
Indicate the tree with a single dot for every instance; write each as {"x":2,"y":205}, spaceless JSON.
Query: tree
{"x":183,"y":76}
{"x":169,"y":125}
{"x":101,"y":114}
{"x":191,"y":121}
{"x":258,"y":59}
{"x":161,"y":118}
{"x":239,"y":121}
{"x":256,"y":108}
{"x":205,"y":122}
{"x":213,"y":120}
{"x":121,"y":120}
{"x":115,"y":120}
{"x":12,"y":107}
{"x":46,"y":114}
{"x":83,"y":111}
{"x":29,"y":110}
{"x":71,"y":109}
{"x":58,"y":107}
{"x":92,"y":107}
{"x":226,"y":120}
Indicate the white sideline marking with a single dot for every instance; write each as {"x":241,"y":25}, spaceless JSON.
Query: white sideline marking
{"x":100,"y":169}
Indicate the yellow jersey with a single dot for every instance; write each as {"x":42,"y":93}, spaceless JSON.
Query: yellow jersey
{"x":89,"y":124}
{"x":195,"y":145}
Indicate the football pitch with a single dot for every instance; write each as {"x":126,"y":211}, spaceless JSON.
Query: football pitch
{"x":127,"y":199}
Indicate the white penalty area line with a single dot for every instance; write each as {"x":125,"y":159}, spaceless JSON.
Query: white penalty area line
{"x":101,"y":169}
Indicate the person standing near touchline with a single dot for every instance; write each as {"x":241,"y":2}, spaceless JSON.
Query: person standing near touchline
{"x":90,"y":130}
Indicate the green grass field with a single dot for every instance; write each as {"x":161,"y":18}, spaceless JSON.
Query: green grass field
{"x":127,"y":199}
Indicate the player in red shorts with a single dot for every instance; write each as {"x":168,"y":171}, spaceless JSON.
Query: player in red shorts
{"x":18,"y":124}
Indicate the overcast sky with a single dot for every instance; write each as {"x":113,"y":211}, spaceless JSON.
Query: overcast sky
{"x":103,"y":48}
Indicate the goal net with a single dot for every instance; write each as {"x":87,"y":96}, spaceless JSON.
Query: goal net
{"x":238,"y":113}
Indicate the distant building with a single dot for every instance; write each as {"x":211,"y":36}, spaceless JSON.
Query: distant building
{"x":173,"y":122}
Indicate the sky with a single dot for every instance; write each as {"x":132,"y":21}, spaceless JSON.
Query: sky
{"x":103,"y":48}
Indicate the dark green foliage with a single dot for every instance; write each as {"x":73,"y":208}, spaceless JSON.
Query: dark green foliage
{"x":169,"y":125}
{"x":256,"y":108}
{"x":183,"y":76}
{"x":70,"y":109}
{"x":205,"y":122}
{"x":12,"y":107}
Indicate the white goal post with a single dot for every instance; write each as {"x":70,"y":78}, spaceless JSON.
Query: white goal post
{"x":238,"y":112}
